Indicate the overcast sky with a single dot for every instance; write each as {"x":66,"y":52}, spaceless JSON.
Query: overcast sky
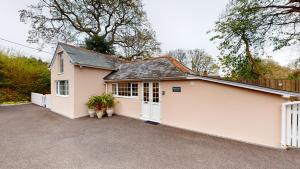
{"x":178,"y":24}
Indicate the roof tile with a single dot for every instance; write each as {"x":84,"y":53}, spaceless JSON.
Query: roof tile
{"x":153,"y":68}
{"x":84,"y":57}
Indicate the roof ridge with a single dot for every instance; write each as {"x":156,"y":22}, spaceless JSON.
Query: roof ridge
{"x":143,"y":60}
{"x":155,"y":57}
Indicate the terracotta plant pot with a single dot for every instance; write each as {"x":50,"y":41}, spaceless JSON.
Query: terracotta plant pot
{"x":100,"y":113}
{"x":91,"y":112}
{"x":110,"y":112}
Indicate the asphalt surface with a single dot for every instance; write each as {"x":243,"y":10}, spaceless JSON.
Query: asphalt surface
{"x":36,"y":138}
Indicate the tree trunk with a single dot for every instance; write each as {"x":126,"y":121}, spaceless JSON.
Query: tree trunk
{"x":249,"y":56}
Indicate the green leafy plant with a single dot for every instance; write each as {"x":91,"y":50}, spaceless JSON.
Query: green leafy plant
{"x":108,"y":100}
{"x":99,"y":103}
{"x":91,"y":102}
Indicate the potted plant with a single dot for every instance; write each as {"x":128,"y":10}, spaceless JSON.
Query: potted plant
{"x":108,"y":102}
{"x":99,"y":107}
{"x":91,"y":106}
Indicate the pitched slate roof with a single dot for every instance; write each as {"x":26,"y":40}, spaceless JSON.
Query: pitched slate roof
{"x":154,"y":68}
{"x":88,"y":58}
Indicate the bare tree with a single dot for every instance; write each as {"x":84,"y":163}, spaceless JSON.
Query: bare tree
{"x":122,"y":23}
{"x":180,"y":55}
{"x":198,"y":60}
{"x":295,"y":64}
{"x":202,"y":63}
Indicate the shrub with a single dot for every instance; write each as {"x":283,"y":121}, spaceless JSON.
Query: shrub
{"x":19,"y":76}
{"x":91,"y":102}
{"x":7,"y":94}
{"x":100,"y":102}
{"x":108,"y":100}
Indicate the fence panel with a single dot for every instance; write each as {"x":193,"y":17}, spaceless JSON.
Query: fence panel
{"x":279,"y":84}
{"x":38,"y":99}
{"x":41,"y":100}
{"x":294,"y":125}
{"x":290,"y":125}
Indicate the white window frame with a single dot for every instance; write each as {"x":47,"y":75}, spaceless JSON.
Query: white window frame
{"x":61,"y":65}
{"x":117,"y":90}
{"x":57,"y":83}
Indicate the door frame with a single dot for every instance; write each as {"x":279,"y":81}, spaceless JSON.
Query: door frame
{"x":151,"y":99}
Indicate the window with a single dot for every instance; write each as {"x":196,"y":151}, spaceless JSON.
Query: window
{"x":62,"y":87}
{"x":146,"y":92}
{"x":114,"y":89}
{"x":125,"y":89}
{"x":134,"y":89}
{"x":61,"y":63}
{"x":155,"y":90}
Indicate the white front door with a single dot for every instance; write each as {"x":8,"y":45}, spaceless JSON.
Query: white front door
{"x":151,"y":102}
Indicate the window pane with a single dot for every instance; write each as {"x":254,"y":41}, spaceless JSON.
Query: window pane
{"x":67,"y":87}
{"x":57,"y":87}
{"x":128,"y":89}
{"x":134,"y":89}
{"x":155,"y":90}
{"x":61,"y":63}
{"x":62,"y":87}
{"x":114,"y":89}
{"x":146,"y":92}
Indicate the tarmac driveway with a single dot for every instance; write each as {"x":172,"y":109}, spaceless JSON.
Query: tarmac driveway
{"x":34,"y":137}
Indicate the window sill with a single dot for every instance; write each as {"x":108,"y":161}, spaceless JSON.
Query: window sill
{"x":62,"y":95}
{"x":60,"y":73}
{"x":126,"y":97}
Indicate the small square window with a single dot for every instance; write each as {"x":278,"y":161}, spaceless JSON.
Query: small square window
{"x":62,"y":87}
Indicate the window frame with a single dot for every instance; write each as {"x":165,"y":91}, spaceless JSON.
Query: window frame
{"x":117,"y":94}
{"x":58,"y":90}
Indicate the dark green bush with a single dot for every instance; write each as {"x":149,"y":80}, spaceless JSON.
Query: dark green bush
{"x":19,"y":76}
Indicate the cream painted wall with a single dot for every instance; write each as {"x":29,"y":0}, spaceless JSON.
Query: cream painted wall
{"x":89,"y":82}
{"x":215,"y":109}
{"x":63,"y":105}
{"x":222,"y":110}
{"x":130,"y":107}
